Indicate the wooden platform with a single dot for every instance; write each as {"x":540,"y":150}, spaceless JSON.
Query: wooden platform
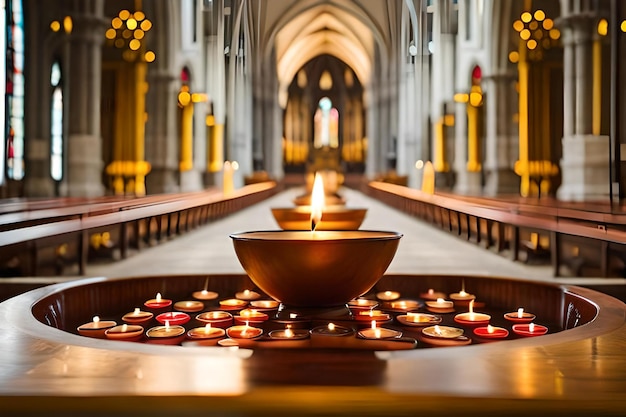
{"x":575,"y":372}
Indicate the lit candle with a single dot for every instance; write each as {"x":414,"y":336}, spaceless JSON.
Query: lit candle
{"x":462,"y":296}
{"x":362,"y":304}
{"x":247,"y":295}
{"x":404,"y":305}
{"x":529,"y":329}
{"x":126,"y":332}
{"x":432,"y":295}
{"x":222,"y":319}
{"x":289,"y":334}
{"x":244,"y":332}
{"x":189,"y":306}
{"x":370,"y":315}
{"x":205,"y":295}
{"x":491,"y":332}
{"x":520,"y":316}
{"x":418,"y":319}
{"x":233,"y":304}
{"x":375,"y":332}
{"x":444,"y":332}
{"x":206,"y":332}
{"x":388,"y":295}
{"x":331,"y":330}
{"x":173,"y":317}
{"x":96,"y":327}
{"x":166,"y":334}
{"x":251,"y":315}
{"x":158,"y":302}
{"x":137,"y":316}
{"x":440,"y":306}
{"x":265,"y":304}
{"x":471,"y":317}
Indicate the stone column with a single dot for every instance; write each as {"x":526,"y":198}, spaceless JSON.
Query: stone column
{"x":161,"y":133}
{"x":584,"y":167}
{"x":84,"y":150}
{"x":501,"y":137}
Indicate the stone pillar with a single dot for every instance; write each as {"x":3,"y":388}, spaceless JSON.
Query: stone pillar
{"x":584,"y":167}
{"x":84,"y":150}
{"x":501,"y":137}
{"x":161,"y":133}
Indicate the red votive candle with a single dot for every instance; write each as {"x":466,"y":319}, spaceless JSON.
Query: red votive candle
{"x":158,"y":303}
{"x":529,"y":329}
{"x":173,"y":317}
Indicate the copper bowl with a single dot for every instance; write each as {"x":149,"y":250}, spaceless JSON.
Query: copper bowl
{"x":315,"y":269}
{"x":333,"y":218}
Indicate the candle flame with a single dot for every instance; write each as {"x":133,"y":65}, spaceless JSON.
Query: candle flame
{"x":124,"y":328}
{"x":531,"y":327}
{"x":246,"y":292}
{"x":462,"y":293}
{"x":288,"y":331}
{"x":373,"y":324}
{"x":437,"y":329}
{"x":520,"y":312}
{"x":158,"y":297}
{"x":331,"y":326}
{"x":490,"y":329}
{"x":293,"y":315}
{"x":377,"y":333}
{"x":136,"y":311}
{"x":207,"y":328}
{"x":471,"y":307}
{"x":317,"y":201}
{"x":440,"y":300}
{"x":167,"y":325}
{"x":95,"y":319}
{"x":431,"y":291}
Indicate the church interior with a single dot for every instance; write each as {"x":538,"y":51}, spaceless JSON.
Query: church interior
{"x":312,"y":207}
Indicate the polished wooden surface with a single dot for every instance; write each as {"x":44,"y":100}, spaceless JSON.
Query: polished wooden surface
{"x":580,"y":371}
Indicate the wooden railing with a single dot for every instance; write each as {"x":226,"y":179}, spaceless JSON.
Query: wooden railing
{"x":506,"y":224}
{"x":61,"y":234}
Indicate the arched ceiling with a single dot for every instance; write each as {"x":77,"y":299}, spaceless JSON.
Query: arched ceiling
{"x":300,"y":30}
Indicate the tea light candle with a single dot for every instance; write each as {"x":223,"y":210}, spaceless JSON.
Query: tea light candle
{"x":362,"y":304}
{"x":233,"y":304}
{"x":418,"y":319}
{"x":173,"y":317}
{"x":189,"y":306}
{"x":205,"y":295}
{"x":442,"y":332}
{"x":520,"y":316}
{"x":247,"y":295}
{"x":289,"y":334}
{"x":137,"y":316}
{"x":243,"y":332}
{"x":440,"y":306}
{"x":264,"y":305}
{"x":375,"y":332}
{"x":432,"y":295}
{"x":206,"y":332}
{"x":491,"y":332}
{"x":222,"y":319}
{"x":158,"y":302}
{"x":331,"y":330}
{"x":166,"y":334}
{"x":388,"y":295}
{"x":462,"y":296}
{"x":403,"y":305}
{"x":529,"y":329}
{"x":372,"y":315}
{"x":96,"y":327}
{"x":471,"y":317}
{"x":250,"y":315}
{"x":127,"y":332}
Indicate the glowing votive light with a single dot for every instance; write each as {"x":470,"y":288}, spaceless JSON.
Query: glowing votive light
{"x":243,"y":332}
{"x":404,"y":305}
{"x":471,"y":317}
{"x":529,"y":329}
{"x":233,"y":304}
{"x":205,"y":295}
{"x":432,"y":295}
{"x":491,"y":332}
{"x":376,"y":332}
{"x":158,"y":302}
{"x":317,"y":200}
{"x":443,"y":332}
{"x":370,"y":315}
{"x":331,"y":330}
{"x":247,"y":295}
{"x":418,"y":319}
{"x":127,"y":332}
{"x":362,"y":304}
{"x":189,"y":306}
{"x":173,"y":318}
{"x":137,"y":316}
{"x":388,"y":295}
{"x":96,"y":328}
{"x":520,"y":316}
{"x":289,"y":334}
{"x":222,"y":319}
{"x":206,"y":332}
{"x":166,"y":334}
